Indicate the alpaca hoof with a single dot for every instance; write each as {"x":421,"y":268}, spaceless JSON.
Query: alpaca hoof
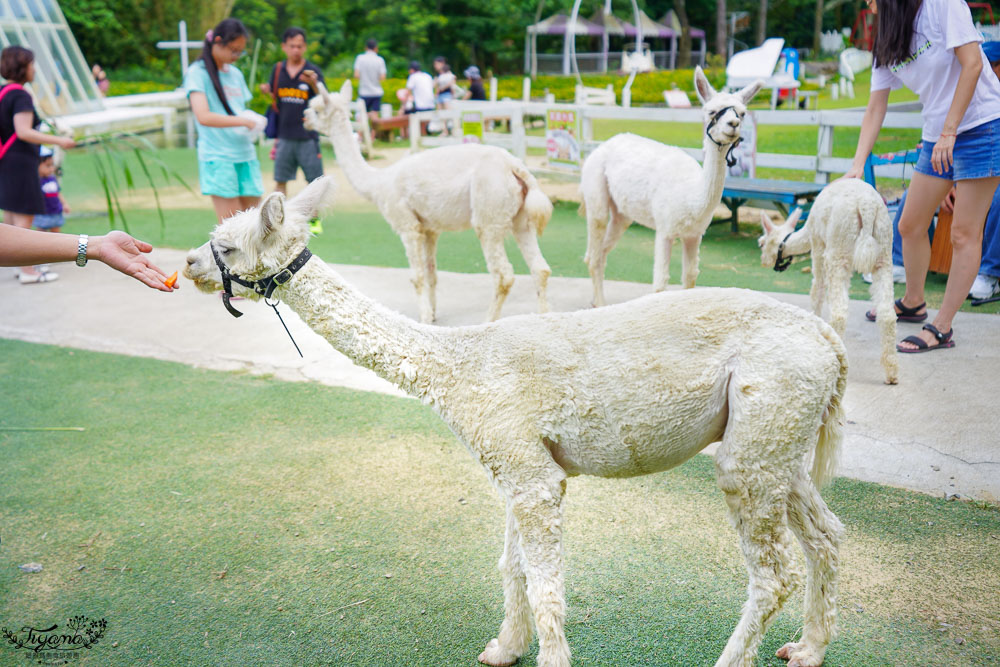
{"x":496,"y":656}
{"x":800,"y":655}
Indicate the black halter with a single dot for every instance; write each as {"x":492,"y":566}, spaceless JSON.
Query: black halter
{"x":265,"y":287}
{"x":781,"y":263}
{"x":730,"y":160}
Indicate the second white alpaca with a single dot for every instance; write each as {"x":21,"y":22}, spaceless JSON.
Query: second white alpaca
{"x":661,"y":187}
{"x":446,"y":189}
{"x":848,"y":230}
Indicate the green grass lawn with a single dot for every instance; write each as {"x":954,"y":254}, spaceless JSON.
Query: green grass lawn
{"x":226,"y":519}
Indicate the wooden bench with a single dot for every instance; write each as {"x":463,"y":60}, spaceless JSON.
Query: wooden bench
{"x":385,"y":127}
{"x":784,"y":195}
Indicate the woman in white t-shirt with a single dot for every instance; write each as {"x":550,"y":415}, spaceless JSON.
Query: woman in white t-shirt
{"x":932,"y":47}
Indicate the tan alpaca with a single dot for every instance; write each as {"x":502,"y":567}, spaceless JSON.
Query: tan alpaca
{"x":446,"y":189}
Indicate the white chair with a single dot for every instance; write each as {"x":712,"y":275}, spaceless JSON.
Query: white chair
{"x":747,"y":66}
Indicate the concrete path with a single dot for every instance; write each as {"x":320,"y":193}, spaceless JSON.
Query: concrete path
{"x":938,"y":431}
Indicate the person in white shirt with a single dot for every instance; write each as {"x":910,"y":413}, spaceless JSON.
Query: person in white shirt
{"x":369,"y":70}
{"x":932,"y":47}
{"x":419,"y":95}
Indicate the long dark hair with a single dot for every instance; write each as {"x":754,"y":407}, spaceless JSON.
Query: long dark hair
{"x":225,"y":33}
{"x":894,"y":33}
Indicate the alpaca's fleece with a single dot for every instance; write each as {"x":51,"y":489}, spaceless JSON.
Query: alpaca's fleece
{"x":848,"y":230}
{"x":442,"y":190}
{"x":626,"y":390}
{"x":630,"y":178}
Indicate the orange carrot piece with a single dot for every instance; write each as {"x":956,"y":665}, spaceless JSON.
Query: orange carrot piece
{"x":169,"y":282}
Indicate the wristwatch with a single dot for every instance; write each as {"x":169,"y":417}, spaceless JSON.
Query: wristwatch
{"x":81,"y":250}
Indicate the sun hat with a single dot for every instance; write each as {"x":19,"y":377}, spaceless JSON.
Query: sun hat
{"x":472,"y":72}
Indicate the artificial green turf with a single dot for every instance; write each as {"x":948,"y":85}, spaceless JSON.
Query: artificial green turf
{"x":312,"y":498}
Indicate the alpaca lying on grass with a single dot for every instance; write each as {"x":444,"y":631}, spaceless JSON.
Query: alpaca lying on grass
{"x":446,"y":189}
{"x":626,"y":390}
{"x":848,"y":230}
{"x":661,"y":187}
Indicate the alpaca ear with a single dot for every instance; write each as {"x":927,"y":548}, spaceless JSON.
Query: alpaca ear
{"x":702,"y":86}
{"x":748,"y":93}
{"x":345,"y":90}
{"x":765,"y":222}
{"x":324,"y":94}
{"x":316,"y":198}
{"x":793,"y":219}
{"x":272,"y":213}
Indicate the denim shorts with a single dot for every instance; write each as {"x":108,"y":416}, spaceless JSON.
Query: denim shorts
{"x":230,"y":180}
{"x":976,"y":154}
{"x":48,"y":221}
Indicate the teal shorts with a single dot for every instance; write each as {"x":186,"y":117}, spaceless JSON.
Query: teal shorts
{"x":229,"y":180}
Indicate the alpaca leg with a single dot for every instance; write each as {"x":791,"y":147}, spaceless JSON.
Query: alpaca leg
{"x":819,"y":532}
{"x":885,"y":316}
{"x":527,"y":241}
{"x":499,"y":267}
{"x":430,"y":262}
{"x":538,"y":512}
{"x":689,"y":266}
{"x":838,"y":292}
{"x":596,"y":258}
{"x":613,"y":234}
{"x":757,"y":506}
{"x":818,"y":290}
{"x":413,"y":242}
{"x":516,"y":630}
{"x":663,"y":244}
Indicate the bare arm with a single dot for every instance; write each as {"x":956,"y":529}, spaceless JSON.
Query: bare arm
{"x":199,"y":105}
{"x":871,"y":124}
{"x":22,"y":247}
{"x":24,"y":132}
{"x":972,"y":66}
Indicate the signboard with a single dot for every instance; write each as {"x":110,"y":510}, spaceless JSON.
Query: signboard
{"x":562,"y":138}
{"x":472,"y":127}
{"x":746,"y":152}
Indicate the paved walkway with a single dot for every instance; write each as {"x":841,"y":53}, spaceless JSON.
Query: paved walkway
{"x":938,"y":431}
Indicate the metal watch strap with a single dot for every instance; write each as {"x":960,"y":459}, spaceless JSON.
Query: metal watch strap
{"x":81,"y":250}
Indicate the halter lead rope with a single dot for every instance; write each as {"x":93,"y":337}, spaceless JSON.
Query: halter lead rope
{"x":264,"y":287}
{"x":730,"y":160}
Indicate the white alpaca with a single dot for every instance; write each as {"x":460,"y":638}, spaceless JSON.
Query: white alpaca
{"x":848,"y":230}
{"x":627,"y":390}
{"x":443,"y":190}
{"x":630,"y":178}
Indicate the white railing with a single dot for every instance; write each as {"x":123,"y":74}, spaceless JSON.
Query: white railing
{"x":822,"y":164}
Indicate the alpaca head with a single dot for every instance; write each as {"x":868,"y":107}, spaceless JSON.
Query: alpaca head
{"x":773,"y":235}
{"x":259,"y":242}
{"x":328,"y":108}
{"x":723,"y":112}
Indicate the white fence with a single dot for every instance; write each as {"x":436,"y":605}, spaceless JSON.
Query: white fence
{"x":822,"y":164}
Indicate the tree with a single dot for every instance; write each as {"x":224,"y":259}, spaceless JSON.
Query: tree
{"x":684,"y":47}
{"x":720,"y":28}
{"x":762,"y":23}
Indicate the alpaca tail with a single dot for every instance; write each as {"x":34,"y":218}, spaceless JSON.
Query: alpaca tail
{"x":874,"y":245}
{"x":537,"y":205}
{"x":831,"y":432}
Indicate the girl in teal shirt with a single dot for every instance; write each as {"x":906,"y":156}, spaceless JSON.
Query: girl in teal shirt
{"x":228,"y":168}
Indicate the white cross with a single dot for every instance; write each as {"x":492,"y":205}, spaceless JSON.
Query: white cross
{"x":183,"y":45}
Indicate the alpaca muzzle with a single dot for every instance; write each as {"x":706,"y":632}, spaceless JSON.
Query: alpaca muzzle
{"x":730,"y":160}
{"x":781,"y":262}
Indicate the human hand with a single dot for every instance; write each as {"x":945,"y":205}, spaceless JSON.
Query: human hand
{"x":125,"y":254}
{"x":854,"y":172}
{"x":64,"y":142}
{"x":309,"y":76}
{"x":65,"y":207}
{"x":941,"y":156}
{"x":265,"y":88}
{"x":948,"y":203}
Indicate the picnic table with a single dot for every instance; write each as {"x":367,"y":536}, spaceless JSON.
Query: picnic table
{"x":785,"y":195}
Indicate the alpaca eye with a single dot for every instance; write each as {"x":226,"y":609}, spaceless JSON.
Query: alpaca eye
{"x":226,"y":251}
